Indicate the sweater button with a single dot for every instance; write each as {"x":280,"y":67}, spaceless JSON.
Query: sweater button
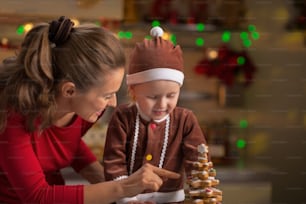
{"x":149,"y":157}
{"x":153,"y":126}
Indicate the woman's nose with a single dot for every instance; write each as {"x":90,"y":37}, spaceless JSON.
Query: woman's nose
{"x":113,"y":101}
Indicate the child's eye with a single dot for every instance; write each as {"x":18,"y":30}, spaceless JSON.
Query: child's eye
{"x":171,"y":95}
{"x":152,"y":97}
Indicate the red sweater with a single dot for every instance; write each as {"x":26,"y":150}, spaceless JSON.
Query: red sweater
{"x":30,"y":163}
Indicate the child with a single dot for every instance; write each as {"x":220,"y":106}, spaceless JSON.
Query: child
{"x":153,"y":129}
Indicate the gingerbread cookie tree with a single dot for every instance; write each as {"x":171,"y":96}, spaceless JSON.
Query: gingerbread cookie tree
{"x":202,"y":184}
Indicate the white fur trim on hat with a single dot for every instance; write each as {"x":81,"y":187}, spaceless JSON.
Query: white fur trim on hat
{"x":155,"y":74}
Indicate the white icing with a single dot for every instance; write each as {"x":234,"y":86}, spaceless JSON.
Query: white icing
{"x":202,"y":148}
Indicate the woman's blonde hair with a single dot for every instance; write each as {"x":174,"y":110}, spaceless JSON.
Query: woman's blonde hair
{"x":52,"y":53}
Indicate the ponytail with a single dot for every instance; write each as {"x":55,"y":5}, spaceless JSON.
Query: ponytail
{"x":29,"y":79}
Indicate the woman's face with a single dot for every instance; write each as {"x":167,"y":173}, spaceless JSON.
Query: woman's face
{"x":89,"y":105}
{"x":156,"y":99}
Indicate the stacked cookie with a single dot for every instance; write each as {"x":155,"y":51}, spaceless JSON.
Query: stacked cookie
{"x":202,"y":184}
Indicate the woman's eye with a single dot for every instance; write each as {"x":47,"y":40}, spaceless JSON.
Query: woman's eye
{"x":108,"y":96}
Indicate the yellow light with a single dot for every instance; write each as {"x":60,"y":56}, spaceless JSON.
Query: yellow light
{"x":166,"y":36}
{"x":212,"y":54}
{"x":75,"y":21}
{"x":28,"y":27}
{"x":4,"y":41}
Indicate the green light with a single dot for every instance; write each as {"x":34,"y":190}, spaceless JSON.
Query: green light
{"x":173,"y":39}
{"x":155,"y":23}
{"x":199,"y":42}
{"x":247,"y":43}
{"x":200,"y":27}
{"x":244,"y":35}
{"x":128,"y":35}
{"x":121,"y":34}
{"x":255,"y":35}
{"x":20,"y":30}
{"x":243,"y":123}
{"x":241,"y":143}
{"x":251,"y":28}
{"x":226,"y":36}
{"x":240,"y":60}
{"x":148,"y":37}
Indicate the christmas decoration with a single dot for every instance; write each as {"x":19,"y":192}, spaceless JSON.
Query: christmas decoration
{"x":228,"y":65}
{"x":202,"y":184}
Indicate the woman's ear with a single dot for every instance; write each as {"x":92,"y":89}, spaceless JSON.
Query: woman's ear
{"x":68,"y":89}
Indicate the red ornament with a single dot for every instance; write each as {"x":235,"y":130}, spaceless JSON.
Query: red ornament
{"x":227,"y":68}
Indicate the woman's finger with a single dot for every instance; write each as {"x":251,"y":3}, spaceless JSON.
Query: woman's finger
{"x":161,"y":172}
{"x":165,"y":173}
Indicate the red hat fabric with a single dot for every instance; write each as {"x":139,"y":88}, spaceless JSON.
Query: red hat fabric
{"x":155,"y":59}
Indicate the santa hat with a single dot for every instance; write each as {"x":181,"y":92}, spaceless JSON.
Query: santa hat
{"x":155,"y":59}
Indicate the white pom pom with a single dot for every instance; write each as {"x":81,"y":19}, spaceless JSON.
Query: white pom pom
{"x":156,"y":31}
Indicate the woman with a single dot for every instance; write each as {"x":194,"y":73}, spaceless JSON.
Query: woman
{"x":51,"y":93}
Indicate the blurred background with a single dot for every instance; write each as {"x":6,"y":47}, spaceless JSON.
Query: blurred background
{"x":245,"y":68}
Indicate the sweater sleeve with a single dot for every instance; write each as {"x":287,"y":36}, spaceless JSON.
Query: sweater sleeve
{"x":193,"y":136}
{"x":114,"y":156}
{"x":23,"y":170}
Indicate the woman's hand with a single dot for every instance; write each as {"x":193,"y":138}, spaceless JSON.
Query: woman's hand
{"x":148,"y":177}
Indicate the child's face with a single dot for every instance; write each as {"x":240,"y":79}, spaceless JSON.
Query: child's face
{"x":156,"y":99}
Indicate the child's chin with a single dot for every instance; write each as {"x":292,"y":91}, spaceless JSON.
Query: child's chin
{"x":158,"y":117}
